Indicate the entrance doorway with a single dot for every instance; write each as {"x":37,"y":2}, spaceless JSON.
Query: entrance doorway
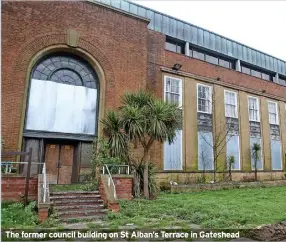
{"x":59,"y":159}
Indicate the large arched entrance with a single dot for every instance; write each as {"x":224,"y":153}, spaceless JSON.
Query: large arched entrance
{"x":62,"y":115}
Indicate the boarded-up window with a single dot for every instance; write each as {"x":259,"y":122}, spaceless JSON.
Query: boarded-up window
{"x":205,"y":151}
{"x":276,"y":155}
{"x":58,"y":107}
{"x":232,"y":149}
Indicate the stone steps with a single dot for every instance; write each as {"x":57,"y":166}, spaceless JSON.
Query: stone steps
{"x":74,"y":193}
{"x":84,"y":218}
{"x":74,"y":205}
{"x":78,"y":207}
{"x":78,"y":196}
{"x":76,"y":202}
{"x":81,"y":213}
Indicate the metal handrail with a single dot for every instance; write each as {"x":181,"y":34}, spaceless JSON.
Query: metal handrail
{"x":44,"y":172}
{"x":128,"y":167}
{"x":45,"y":183}
{"x":110,"y":180}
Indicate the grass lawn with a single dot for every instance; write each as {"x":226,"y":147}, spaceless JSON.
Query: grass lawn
{"x":238,"y":208}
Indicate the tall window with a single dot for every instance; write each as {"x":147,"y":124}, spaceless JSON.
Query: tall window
{"x":230,"y":100}
{"x":173,"y":152}
{"x":232,"y":139}
{"x":273,"y":112}
{"x":253,"y":109}
{"x":204,"y":98}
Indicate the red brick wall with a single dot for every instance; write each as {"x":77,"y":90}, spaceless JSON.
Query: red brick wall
{"x":205,"y":69}
{"x":123,"y":187}
{"x":13,"y":188}
{"x":124,"y":190}
{"x":102,"y":192}
{"x":118,"y":42}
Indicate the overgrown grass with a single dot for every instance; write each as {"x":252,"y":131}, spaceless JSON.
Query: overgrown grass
{"x":239,"y":208}
{"x":68,"y":187}
{"x":15,"y":215}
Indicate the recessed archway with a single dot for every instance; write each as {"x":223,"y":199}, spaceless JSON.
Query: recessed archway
{"x":77,"y":68}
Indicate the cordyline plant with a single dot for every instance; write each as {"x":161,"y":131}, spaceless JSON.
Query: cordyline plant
{"x":141,"y":119}
{"x":256,"y":148}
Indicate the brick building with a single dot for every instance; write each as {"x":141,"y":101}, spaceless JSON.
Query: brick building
{"x":64,"y":64}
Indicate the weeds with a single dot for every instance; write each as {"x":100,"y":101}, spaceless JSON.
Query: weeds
{"x":15,"y":215}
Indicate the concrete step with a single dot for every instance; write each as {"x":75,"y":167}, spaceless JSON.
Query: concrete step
{"x":78,"y":207}
{"x":84,"y":218}
{"x":78,"y":197}
{"x":77,"y":202}
{"x":74,"y":193}
{"x":86,"y":213}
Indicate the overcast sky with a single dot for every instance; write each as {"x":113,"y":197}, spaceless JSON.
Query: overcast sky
{"x":258,"y":24}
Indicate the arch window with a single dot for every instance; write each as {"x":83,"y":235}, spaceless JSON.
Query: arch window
{"x":62,"y":96}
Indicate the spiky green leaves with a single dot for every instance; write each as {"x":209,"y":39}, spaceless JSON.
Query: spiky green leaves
{"x":141,"y":118}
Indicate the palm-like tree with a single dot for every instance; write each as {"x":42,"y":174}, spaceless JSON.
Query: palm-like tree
{"x":256,"y":148}
{"x":141,"y":118}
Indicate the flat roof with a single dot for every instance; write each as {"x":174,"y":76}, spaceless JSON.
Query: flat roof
{"x":200,"y":37}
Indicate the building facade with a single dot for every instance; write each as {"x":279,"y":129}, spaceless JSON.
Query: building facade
{"x":65,"y":64}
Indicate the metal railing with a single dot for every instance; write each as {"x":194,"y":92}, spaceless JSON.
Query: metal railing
{"x":117,"y":169}
{"x":45,"y":184}
{"x":9,"y":165}
{"x":110,"y":169}
{"x":110,"y":180}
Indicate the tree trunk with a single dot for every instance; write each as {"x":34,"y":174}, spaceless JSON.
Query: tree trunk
{"x":146,"y":180}
{"x":136,"y":186}
{"x":255,"y":167}
{"x":214,"y":174}
{"x":255,"y":172}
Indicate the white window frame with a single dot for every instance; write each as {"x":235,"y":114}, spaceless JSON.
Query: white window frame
{"x":210,"y":88}
{"x":258,"y":109}
{"x":277,"y":114}
{"x":180,"y":89}
{"x":180,"y":107}
{"x":236,"y":103}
